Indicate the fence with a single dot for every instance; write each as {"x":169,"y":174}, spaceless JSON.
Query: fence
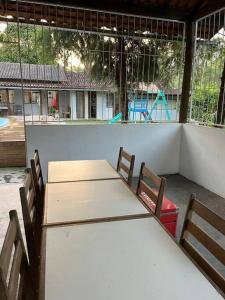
{"x":207,"y":97}
{"x":79,"y":64}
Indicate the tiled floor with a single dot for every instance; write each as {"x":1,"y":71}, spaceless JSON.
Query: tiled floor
{"x":10,"y":181}
{"x":9,"y":199}
{"x":11,"y":175}
{"x":14,"y":131}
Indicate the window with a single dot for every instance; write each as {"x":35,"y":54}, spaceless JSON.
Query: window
{"x":27,"y":97}
{"x":36,"y":96}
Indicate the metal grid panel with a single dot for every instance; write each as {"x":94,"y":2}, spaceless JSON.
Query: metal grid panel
{"x":111,"y":62}
{"x":207,"y":98}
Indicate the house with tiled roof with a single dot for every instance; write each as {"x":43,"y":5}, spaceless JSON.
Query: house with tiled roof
{"x":47,"y":89}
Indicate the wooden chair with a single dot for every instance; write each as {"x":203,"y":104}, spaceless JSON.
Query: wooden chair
{"x":38,"y":182}
{"x":31,"y":218}
{"x":127,"y":167}
{"x":15,"y":276}
{"x":156,"y":196}
{"x":190,"y":228}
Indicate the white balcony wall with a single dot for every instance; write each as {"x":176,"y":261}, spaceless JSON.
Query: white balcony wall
{"x":156,"y":144}
{"x":195,"y":152}
{"x":202,"y":157}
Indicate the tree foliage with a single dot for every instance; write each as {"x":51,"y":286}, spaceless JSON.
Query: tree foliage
{"x":146,"y":59}
{"x":209,"y":61}
{"x":36,"y":45}
{"x":128,"y":62}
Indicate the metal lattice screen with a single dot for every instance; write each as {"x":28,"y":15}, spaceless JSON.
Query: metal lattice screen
{"x":80,"y":64}
{"x":207,"y":99}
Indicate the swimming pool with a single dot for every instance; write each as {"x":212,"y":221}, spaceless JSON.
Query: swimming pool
{"x":3,"y":122}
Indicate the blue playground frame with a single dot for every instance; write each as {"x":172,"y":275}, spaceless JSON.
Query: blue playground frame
{"x":140,"y":105}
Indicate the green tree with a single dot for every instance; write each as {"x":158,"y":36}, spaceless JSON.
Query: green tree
{"x":36,"y":45}
{"x":207,"y":105}
{"x":125,"y":61}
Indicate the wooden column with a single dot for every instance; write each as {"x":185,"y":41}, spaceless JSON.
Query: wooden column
{"x":188,"y":64}
{"x":8,"y":103}
{"x":221,"y":105}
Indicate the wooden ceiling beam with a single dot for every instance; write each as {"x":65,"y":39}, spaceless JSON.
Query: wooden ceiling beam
{"x":132,"y":7}
{"x":206,"y":8}
{"x":166,"y":9}
{"x":80,"y":19}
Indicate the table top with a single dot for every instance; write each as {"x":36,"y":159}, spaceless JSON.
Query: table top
{"x":78,"y":170}
{"x":129,"y":260}
{"x":89,"y":200}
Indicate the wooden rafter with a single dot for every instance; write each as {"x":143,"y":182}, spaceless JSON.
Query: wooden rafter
{"x":90,"y":20}
{"x":87,"y":20}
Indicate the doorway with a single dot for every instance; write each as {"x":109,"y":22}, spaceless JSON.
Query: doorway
{"x":92,"y":105}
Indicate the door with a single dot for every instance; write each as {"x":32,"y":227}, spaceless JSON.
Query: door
{"x":92,"y":105}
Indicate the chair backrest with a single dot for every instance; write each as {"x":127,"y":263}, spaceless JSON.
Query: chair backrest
{"x":37,"y":176}
{"x":31,"y":218}
{"x":190,"y":229}
{"x":155,"y":195}
{"x":15,"y":277}
{"x":127,"y":167}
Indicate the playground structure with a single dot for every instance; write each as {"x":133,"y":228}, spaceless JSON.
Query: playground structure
{"x":140,"y":105}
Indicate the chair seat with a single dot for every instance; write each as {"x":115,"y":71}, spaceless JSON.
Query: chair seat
{"x":168,"y":212}
{"x":167,"y":205}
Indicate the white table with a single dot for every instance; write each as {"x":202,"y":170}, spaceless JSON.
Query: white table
{"x":123,"y":260}
{"x":71,"y":202}
{"x":79,"y":170}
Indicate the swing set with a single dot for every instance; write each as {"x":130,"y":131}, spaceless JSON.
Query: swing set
{"x":140,"y":105}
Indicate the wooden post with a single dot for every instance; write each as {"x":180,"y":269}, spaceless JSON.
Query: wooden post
{"x":121,"y":77}
{"x":8,"y":103}
{"x":221,"y":102}
{"x":188,"y":64}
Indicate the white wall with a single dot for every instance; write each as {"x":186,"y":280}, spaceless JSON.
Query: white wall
{"x":73,"y":105}
{"x":202,"y":157}
{"x":32,"y":109}
{"x":103,"y":112}
{"x":86,"y":105}
{"x":156,"y":144}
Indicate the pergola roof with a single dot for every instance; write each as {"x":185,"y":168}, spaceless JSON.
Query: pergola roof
{"x":94,"y":16}
{"x":172,"y":9}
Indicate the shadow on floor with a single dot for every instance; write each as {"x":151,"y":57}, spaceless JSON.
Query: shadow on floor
{"x":178,"y":189}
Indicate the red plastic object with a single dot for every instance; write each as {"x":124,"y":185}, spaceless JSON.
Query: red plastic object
{"x":168,"y":214}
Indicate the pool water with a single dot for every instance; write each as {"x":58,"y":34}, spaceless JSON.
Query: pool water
{"x":3,"y":122}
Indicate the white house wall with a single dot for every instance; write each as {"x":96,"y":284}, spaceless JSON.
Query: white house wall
{"x":86,"y":105}
{"x":156,"y":144}
{"x":73,"y":105}
{"x":103,"y":112}
{"x":32,"y":109}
